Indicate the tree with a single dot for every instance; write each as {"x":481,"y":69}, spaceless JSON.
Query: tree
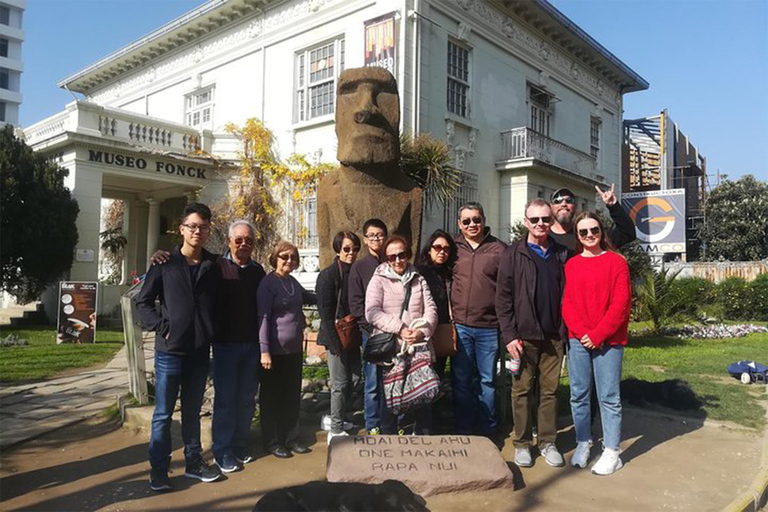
{"x":37,"y":220}
{"x":427,"y":161}
{"x":736,"y":221}
{"x":659,"y":301}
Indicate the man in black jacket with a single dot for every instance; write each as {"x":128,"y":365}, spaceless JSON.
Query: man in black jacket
{"x":236,"y":351}
{"x":374,"y":236}
{"x":564,"y":210}
{"x":187,"y":288}
{"x":529,"y":290}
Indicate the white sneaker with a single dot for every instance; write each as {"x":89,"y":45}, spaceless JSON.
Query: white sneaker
{"x":551,"y":456}
{"x":325,"y":423}
{"x":581,"y":455}
{"x":331,"y":435}
{"x":523,"y":457}
{"x":608,"y":463}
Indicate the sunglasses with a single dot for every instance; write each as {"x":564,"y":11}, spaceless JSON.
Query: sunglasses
{"x":350,"y":249}
{"x":399,"y":256}
{"x":473,"y":220}
{"x":442,"y":248}
{"x":595,"y":230}
{"x":563,"y":200}
{"x":290,"y":257}
{"x":243,"y":240}
{"x":535,"y":220}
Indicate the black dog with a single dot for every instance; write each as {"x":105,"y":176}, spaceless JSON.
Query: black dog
{"x":342,"y":497}
{"x":672,"y":393}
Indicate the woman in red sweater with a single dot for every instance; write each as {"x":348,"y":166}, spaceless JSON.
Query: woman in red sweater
{"x":596,"y":306}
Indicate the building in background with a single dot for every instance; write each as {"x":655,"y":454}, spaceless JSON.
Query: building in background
{"x":11,"y":66}
{"x":657,"y":155}
{"x":527,"y":101}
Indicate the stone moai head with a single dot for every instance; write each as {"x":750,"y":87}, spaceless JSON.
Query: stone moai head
{"x":367,"y":117}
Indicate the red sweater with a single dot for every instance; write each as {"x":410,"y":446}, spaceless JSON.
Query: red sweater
{"x":597,"y":298}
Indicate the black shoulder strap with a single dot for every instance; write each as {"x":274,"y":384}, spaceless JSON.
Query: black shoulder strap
{"x":407,"y":300}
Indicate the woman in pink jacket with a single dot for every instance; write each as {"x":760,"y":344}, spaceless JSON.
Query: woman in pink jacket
{"x":383,"y":305}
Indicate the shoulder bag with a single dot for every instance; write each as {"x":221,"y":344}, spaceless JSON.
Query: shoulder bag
{"x":346,"y":327}
{"x":381,"y":348}
{"x":444,"y":340}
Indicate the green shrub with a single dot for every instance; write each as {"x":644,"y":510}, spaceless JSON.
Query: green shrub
{"x":693,"y":293}
{"x":759,"y":297}
{"x":733,"y":296}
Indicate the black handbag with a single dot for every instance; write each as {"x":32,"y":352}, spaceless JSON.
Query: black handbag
{"x":381,"y":348}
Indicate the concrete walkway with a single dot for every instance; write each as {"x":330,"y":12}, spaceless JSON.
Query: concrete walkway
{"x":30,"y":410}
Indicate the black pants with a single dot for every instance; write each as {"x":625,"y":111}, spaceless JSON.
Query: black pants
{"x":280,"y":399}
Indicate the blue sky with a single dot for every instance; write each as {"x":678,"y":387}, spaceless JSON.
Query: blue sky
{"x":706,"y":61}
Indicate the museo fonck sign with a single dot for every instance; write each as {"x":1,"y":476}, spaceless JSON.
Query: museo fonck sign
{"x":130,"y":162}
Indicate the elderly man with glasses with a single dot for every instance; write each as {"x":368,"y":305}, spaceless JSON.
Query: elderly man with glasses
{"x":477,"y":327}
{"x":564,"y":211}
{"x":236,"y":352}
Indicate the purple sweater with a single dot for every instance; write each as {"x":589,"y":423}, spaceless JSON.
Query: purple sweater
{"x":281,"y":320}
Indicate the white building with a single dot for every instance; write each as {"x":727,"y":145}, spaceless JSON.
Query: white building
{"x":11,"y":67}
{"x":526,"y":99}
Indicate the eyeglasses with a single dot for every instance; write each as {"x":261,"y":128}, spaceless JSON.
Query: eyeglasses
{"x":399,"y":256}
{"x":544,"y":220}
{"x":442,"y":248}
{"x":203,"y":228}
{"x":288,"y":257}
{"x":243,"y":240}
{"x":475,"y":220}
{"x":566,"y":200}
{"x":350,"y":249}
{"x":595,"y":230}
{"x":375,"y":236}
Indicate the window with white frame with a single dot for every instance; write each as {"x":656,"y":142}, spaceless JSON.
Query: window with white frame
{"x":540,"y":102}
{"x":3,"y":47}
{"x":5,"y":15}
{"x":198,"y":111}
{"x":5,"y":78}
{"x":317,"y":69}
{"x":458,"y":79}
{"x":595,"y":125}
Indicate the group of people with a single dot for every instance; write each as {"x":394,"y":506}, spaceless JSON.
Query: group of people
{"x":561,"y":288}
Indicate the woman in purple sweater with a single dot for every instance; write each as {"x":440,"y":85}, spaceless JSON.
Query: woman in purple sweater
{"x":281,"y":331}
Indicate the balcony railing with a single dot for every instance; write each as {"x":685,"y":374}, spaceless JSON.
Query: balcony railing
{"x":115,"y":124}
{"x":522,"y":143}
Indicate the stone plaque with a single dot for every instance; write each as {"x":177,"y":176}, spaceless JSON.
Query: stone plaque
{"x":426,"y":464}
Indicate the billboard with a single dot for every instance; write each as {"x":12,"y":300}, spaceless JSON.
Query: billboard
{"x":77,"y":312}
{"x":659,"y":217}
{"x":379,"y":45}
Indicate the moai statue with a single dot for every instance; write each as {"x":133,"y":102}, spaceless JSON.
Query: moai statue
{"x":368,"y":183}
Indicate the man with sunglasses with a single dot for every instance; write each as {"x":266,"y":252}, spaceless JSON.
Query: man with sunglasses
{"x":528,"y":295}
{"x":477,"y":327}
{"x":187,"y":288}
{"x":564,"y":209}
{"x":360,"y":274}
{"x":236,"y":351}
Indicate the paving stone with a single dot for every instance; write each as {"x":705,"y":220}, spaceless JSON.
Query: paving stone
{"x":22,"y":407}
{"x":15,"y":399}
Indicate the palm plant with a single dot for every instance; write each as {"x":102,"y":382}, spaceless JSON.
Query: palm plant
{"x":427,"y":161}
{"x":660,"y":303}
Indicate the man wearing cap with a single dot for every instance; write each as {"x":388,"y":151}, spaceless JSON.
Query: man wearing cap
{"x":564,"y":210}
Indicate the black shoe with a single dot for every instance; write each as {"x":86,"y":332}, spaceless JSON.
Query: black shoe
{"x":299,"y":448}
{"x":202,"y":471}
{"x":158,"y":480}
{"x":228,"y":464}
{"x":280,"y":451}
{"x":243,"y":456}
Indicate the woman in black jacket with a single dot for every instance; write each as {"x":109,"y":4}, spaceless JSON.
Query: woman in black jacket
{"x":435,"y":264}
{"x":333,"y":304}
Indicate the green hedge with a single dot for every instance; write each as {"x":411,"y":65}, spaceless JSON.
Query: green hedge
{"x":732,"y":299}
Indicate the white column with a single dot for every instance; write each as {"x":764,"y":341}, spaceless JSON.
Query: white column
{"x":153,"y":227}
{"x":127,"y":212}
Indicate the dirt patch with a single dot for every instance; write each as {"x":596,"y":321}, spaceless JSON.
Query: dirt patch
{"x":98,"y":465}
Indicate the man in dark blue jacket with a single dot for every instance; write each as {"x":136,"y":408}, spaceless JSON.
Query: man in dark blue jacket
{"x":187,"y":288}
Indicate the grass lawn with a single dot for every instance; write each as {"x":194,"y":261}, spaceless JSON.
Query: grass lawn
{"x":702,"y":364}
{"x":43,"y":358}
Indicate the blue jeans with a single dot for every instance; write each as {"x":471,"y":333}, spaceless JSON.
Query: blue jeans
{"x":174,"y":373}
{"x":472,"y":372}
{"x":605,"y":363}
{"x":236,"y":379}
{"x":371,"y":397}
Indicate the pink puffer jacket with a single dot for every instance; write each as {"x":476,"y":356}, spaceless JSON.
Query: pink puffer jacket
{"x":384,"y":300}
